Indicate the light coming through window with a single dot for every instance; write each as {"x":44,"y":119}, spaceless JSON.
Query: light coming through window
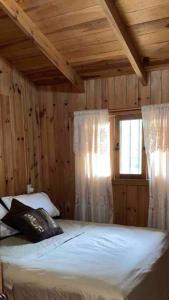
{"x":131,"y":147}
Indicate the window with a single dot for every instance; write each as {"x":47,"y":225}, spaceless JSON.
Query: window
{"x":131,"y":146}
{"x":129,"y":158}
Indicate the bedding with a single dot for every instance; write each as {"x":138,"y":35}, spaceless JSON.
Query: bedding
{"x":35,"y":224}
{"x":88,"y":262}
{"x":35,"y":200}
{"x":5,"y":230}
{"x":16,"y":208}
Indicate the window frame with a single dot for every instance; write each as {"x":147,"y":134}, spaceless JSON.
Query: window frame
{"x":116,"y":152}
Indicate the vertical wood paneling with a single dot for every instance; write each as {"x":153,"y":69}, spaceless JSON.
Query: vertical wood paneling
{"x":132,"y":205}
{"x":37,"y":143}
{"x":144,"y":93}
{"x":2,"y":157}
{"x":119,"y":199}
{"x":143,"y":196}
{"x":104,"y":93}
{"x":51,"y":144}
{"x":5,"y":78}
{"x":44,"y":143}
{"x":110,"y":90}
{"x":20,"y":175}
{"x":120,"y":95}
{"x":8,"y":147}
{"x":156,"y":87}
{"x":117,"y":93}
{"x":28,"y":128}
{"x":19,"y":149}
{"x":90,"y":94}
{"x":36,"y":136}
{"x":59,"y":140}
{"x":113,"y":93}
{"x":98,"y":93}
{"x":76,"y":102}
{"x":165,"y":86}
{"x":132,"y":91}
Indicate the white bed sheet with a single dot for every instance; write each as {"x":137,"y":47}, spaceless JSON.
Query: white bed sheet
{"x":88,"y":262}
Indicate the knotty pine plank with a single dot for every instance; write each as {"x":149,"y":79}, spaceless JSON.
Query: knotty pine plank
{"x":165,"y":86}
{"x":132,"y":205}
{"x":2,"y":155}
{"x":8,"y":147}
{"x":156,"y":87}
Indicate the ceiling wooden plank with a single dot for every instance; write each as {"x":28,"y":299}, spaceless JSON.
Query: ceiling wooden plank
{"x":21,"y":19}
{"x":123,"y":35}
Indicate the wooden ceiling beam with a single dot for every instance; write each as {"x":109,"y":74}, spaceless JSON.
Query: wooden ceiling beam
{"x":124,"y":37}
{"x":22,"y":20}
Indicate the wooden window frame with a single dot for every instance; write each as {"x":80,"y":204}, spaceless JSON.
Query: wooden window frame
{"x":115,"y":149}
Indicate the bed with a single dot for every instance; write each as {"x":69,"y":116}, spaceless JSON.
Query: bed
{"x":88,"y":262}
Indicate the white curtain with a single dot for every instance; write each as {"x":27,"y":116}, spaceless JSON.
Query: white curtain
{"x":93,"y":187}
{"x":156,"y":136}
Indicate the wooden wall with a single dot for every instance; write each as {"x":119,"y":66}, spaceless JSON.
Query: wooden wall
{"x":56,"y":114}
{"x":36,"y":136}
{"x":20,"y":143}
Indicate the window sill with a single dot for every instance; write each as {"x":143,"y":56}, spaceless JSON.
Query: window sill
{"x":121,"y":181}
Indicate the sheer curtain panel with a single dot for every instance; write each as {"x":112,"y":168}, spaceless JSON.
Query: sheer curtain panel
{"x":93,"y":187}
{"x":156,"y":136}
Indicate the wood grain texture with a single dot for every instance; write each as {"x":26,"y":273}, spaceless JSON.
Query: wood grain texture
{"x":22,"y":20}
{"x":119,"y":200}
{"x":20,"y":144}
{"x":80,"y":31}
{"x":118,"y":26}
{"x":1,"y":288}
{"x":36,"y":136}
{"x":119,"y":94}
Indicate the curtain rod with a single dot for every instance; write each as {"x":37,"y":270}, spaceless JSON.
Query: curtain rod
{"x":119,"y":111}
{"x":125,"y":110}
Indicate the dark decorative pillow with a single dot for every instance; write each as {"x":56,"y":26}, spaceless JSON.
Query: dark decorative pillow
{"x":5,"y":230}
{"x":35,"y":224}
{"x":16,"y":207}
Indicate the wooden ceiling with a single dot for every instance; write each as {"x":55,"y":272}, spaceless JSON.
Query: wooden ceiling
{"x":82,"y":33}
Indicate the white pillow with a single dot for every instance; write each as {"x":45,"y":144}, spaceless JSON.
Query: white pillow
{"x":6,"y":231}
{"x":37,"y":200}
{"x":3,"y":211}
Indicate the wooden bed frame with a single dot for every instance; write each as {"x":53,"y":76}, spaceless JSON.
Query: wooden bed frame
{"x":2,"y":295}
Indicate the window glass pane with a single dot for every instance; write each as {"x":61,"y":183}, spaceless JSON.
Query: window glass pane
{"x":131,"y":146}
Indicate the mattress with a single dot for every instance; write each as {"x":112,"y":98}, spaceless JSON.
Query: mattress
{"x":88,"y":261}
